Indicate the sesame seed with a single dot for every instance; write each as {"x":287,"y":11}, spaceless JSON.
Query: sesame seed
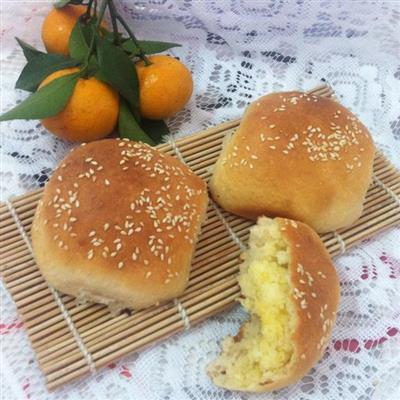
{"x":90,"y":254}
{"x":120,"y":264}
{"x":107,"y":182}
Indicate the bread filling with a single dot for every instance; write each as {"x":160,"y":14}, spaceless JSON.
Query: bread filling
{"x":262,"y":350}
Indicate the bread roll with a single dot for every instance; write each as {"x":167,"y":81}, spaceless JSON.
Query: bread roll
{"x":290,"y":288}
{"x":297,"y":156}
{"x":117,"y":224}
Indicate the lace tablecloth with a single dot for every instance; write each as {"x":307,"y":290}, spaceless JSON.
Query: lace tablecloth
{"x":237,"y":50}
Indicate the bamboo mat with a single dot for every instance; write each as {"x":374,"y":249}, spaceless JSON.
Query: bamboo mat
{"x":71,"y":341}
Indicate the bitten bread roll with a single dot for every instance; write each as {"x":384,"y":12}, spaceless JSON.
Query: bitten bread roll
{"x":117,"y":224}
{"x":297,"y":156}
{"x":290,"y":288}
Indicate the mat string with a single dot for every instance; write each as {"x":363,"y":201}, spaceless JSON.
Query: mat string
{"x":341,"y":242}
{"x":181,"y":309}
{"x":233,"y":235}
{"x":389,"y":191}
{"x":182,"y":313}
{"x":64,"y":311}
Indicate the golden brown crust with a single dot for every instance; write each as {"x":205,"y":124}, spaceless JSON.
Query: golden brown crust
{"x":118,"y":222}
{"x":316,"y":291}
{"x":296,"y":156}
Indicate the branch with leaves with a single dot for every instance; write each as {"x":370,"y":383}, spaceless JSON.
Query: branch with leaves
{"x":109,"y":56}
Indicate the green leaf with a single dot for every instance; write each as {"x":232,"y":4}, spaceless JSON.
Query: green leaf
{"x":128,"y":126}
{"x":61,"y":3}
{"x":46,"y":102}
{"x":101,"y":77}
{"x":29,"y":51}
{"x":41,"y":66}
{"x":156,"y":129}
{"x":118,"y":70}
{"x":93,"y":67}
{"x":148,"y":46}
{"x":80,"y":39}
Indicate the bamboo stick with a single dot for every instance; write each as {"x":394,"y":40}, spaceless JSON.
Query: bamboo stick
{"x":26,"y":281}
{"x":223,"y":305}
{"x":8,"y":244}
{"x":13,"y":252}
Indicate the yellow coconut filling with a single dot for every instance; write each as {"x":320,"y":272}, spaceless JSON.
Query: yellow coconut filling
{"x":263,"y":348}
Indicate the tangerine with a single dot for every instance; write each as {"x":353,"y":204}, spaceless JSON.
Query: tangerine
{"x":165,"y":86}
{"x":91,"y":112}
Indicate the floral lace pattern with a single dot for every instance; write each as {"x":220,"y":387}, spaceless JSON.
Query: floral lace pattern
{"x":237,"y":50}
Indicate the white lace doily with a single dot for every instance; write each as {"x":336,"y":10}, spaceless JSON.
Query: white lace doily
{"x":237,"y":51}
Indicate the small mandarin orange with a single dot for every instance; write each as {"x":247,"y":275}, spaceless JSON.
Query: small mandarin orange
{"x":58,"y":25}
{"x":91,"y":112}
{"x":165,"y":86}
